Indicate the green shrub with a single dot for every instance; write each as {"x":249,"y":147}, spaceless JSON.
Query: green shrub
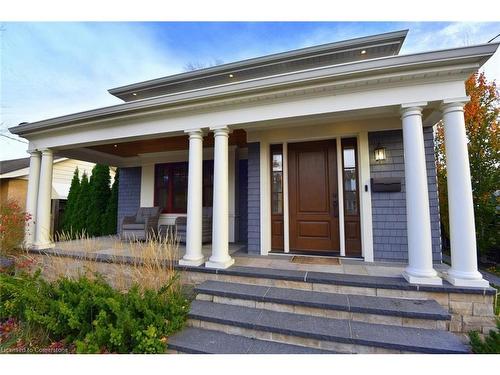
{"x":69,"y":215}
{"x":490,"y":344}
{"x":110,"y":216}
{"x":94,"y":316}
{"x":99,"y":194}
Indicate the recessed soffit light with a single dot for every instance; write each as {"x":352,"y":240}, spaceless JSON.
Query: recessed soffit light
{"x":363,"y":52}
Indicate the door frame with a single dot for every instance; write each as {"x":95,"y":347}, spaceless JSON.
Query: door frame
{"x":266,"y":139}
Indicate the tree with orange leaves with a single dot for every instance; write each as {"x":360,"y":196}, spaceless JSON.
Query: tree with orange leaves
{"x":481,"y":121}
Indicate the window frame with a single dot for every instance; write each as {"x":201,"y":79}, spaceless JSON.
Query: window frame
{"x":169,"y":169}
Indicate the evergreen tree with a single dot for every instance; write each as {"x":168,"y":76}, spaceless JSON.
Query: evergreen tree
{"x":109,"y":223}
{"x":69,"y":210}
{"x":81,"y":206}
{"x":98,"y":199}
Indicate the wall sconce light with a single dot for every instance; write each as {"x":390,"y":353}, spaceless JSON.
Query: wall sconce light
{"x":380,"y":153}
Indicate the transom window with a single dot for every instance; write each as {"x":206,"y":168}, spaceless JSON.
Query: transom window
{"x":171,"y":185}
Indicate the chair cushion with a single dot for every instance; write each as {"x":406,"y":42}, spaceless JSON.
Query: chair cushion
{"x":139,"y":217}
{"x":134,"y":226}
{"x":144,"y":213}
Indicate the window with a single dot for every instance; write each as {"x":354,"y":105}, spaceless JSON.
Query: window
{"x":350,"y":180}
{"x":171,"y":186}
{"x":277,"y":180}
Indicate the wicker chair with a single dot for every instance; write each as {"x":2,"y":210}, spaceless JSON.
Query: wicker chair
{"x":181,"y":226}
{"x":142,"y":225}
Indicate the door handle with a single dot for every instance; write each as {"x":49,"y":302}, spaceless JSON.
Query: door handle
{"x":335,"y":205}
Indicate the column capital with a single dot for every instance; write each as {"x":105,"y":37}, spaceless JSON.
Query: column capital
{"x":221,"y":130}
{"x":195,"y":133}
{"x":412,"y":109}
{"x":47,"y":152}
{"x":34,"y":153}
{"x":454,"y":105}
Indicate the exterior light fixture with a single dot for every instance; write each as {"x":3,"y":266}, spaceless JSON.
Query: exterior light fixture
{"x":380,"y":153}
{"x":134,"y":93}
{"x":363,"y":52}
{"x":115,"y":146}
{"x":231,"y":76}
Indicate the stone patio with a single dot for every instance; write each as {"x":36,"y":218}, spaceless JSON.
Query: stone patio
{"x":113,"y":246}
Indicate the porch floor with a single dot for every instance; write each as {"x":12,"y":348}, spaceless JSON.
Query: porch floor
{"x":113,"y":246}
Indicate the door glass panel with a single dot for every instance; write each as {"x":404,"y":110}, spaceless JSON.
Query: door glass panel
{"x":277,"y":180}
{"x":277,"y":162}
{"x":350,"y":181}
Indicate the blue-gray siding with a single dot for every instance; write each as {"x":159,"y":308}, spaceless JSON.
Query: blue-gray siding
{"x":129,"y":193}
{"x":390,"y":240}
{"x":253,"y":241}
{"x":243,"y":200}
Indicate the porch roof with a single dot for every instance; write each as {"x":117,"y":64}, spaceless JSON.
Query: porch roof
{"x":462,"y":61}
{"x":358,"y":49}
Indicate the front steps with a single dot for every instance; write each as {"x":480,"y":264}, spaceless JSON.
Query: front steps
{"x":234,"y":317}
{"x":383,"y":310}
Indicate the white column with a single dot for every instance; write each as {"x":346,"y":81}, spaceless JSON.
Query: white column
{"x":340,"y":194}
{"x":43,"y":238}
{"x":463,"y":270}
{"x":286,"y":213}
{"x":31,"y":198}
{"x":419,"y":269}
{"x":194,"y":255}
{"x":365,"y":197}
{"x":232,"y":170}
{"x":220,"y":237}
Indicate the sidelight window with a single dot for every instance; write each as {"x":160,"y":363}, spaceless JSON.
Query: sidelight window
{"x":350,"y":179}
{"x":277,"y":179}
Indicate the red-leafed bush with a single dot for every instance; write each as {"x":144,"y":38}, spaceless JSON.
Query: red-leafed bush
{"x":12,"y":223}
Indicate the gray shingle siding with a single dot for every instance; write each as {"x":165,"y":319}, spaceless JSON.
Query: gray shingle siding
{"x":253,"y":237}
{"x":129,"y":193}
{"x":243,"y":200}
{"x":390,"y":241}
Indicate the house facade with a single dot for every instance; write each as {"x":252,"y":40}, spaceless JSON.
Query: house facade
{"x":326,"y":150}
{"x":14,"y":183}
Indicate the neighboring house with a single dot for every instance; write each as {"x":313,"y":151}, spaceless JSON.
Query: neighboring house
{"x":322,"y":150}
{"x":14,"y":182}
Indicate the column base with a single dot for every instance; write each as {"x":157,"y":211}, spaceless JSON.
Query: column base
{"x":429,"y":280}
{"x":473,"y":283}
{"x":191,"y":262}
{"x":220,"y":265}
{"x":43,"y":246}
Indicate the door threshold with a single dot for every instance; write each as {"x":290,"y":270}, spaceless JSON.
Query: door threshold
{"x":313,"y":255}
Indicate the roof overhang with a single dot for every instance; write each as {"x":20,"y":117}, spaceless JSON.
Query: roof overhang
{"x":358,"y":49}
{"x":23,"y":172}
{"x":462,"y":61}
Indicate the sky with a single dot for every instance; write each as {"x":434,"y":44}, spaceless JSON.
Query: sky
{"x":53,"y":69}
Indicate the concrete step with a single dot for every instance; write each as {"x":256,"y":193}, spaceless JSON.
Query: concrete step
{"x":339,"y":335}
{"x":203,"y":341}
{"x":393,"y":311}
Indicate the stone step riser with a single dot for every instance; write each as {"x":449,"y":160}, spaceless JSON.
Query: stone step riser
{"x":327,"y":313}
{"x":339,"y":347}
{"x":441,"y":298}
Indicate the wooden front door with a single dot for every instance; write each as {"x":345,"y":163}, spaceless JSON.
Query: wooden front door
{"x":313,"y":196}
